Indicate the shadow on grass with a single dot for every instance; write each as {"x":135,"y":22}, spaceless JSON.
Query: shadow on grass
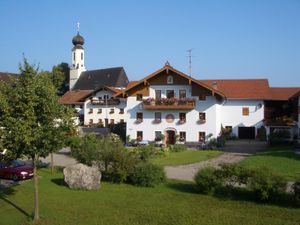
{"x":10,"y":191}
{"x":182,"y":187}
{"x":243,"y":194}
{"x":59,"y":182}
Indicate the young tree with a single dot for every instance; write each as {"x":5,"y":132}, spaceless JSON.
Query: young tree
{"x":32,"y":122}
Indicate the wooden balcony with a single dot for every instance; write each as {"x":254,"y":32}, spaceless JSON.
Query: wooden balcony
{"x":170,"y":104}
{"x":96,"y":101}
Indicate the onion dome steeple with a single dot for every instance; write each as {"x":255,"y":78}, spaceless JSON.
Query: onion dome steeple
{"x":78,"y":39}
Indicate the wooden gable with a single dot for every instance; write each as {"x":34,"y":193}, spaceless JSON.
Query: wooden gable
{"x":161,"y":76}
{"x":162,"y":79}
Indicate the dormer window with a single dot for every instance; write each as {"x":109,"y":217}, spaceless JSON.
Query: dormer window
{"x":170,"y":79}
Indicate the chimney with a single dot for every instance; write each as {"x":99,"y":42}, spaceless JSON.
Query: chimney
{"x":215,"y":85}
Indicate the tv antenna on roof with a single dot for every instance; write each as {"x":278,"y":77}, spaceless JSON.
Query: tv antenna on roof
{"x":190,"y":61}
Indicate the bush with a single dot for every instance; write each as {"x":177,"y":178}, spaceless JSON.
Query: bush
{"x":177,"y":148}
{"x":207,"y":180}
{"x":296,"y":190}
{"x":267,"y":185}
{"x":234,"y":174}
{"x":261,"y":134}
{"x":145,"y":151}
{"x":121,"y":166}
{"x":147,"y":175}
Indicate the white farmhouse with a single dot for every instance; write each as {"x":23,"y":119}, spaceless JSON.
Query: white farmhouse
{"x":172,"y":104}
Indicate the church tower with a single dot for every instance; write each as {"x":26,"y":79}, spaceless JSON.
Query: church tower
{"x":77,"y":66}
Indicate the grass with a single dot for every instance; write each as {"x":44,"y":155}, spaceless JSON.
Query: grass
{"x":185,"y":157}
{"x":280,"y":159}
{"x":114,"y":204}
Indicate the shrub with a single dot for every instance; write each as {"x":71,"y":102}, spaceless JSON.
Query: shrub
{"x":207,"y":180}
{"x":147,"y":175}
{"x":177,"y":148}
{"x":121,"y":167}
{"x":261,"y":134}
{"x":234,"y":174}
{"x":296,"y":190}
{"x":267,"y":185}
{"x":145,"y":151}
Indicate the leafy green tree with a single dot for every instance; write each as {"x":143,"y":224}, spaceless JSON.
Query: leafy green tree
{"x":59,"y":76}
{"x":33,"y":123}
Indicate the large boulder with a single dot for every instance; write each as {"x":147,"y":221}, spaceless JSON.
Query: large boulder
{"x":80,"y":176}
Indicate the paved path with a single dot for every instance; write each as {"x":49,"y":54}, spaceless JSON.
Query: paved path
{"x":62,"y":158}
{"x":187,"y":172}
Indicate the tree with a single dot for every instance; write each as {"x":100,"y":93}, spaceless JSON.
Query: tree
{"x":32,"y":121}
{"x":59,"y":76}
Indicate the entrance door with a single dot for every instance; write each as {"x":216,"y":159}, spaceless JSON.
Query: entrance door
{"x":170,"y":137}
{"x":246,"y":132}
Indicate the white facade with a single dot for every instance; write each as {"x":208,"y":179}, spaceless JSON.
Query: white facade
{"x":106,"y":112}
{"x":77,"y":66}
{"x":217,"y":114}
{"x":230,"y":113}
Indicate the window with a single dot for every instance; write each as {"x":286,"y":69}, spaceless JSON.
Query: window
{"x":201,"y":136}
{"x":100,"y":121}
{"x":139,"y":135}
{"x":202,"y":97}
{"x":182,"y":118}
{"x":91,"y":121}
{"x":112,"y":121}
{"x":202,"y":117}
{"x":228,"y":129}
{"x":245,"y":111}
{"x":112,"y":111}
{"x":139,"y":117}
{"x":122,"y":111}
{"x":157,"y":94}
{"x":170,"y":79}
{"x":139,"y":97}
{"x":105,"y":97}
{"x":182,"y":93}
{"x":170,"y":94}
{"x":90,"y":111}
{"x":158,"y":136}
{"x":81,"y":55}
{"x":99,"y":111}
{"x":121,"y":121}
{"x":74,"y":57}
{"x":182,"y":136}
{"x":157,"y":117}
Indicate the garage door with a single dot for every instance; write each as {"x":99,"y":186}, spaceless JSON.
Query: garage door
{"x":246,"y":132}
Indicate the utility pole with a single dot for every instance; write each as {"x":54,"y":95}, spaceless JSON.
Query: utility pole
{"x":190,"y":61}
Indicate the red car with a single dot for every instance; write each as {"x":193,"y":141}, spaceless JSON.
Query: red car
{"x":15,"y":170}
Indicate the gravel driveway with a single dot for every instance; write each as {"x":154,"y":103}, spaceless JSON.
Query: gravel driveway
{"x":187,"y":172}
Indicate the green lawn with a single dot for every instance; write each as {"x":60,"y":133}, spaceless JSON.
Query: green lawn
{"x":185,"y":157}
{"x":115,"y":204}
{"x":280,"y":159}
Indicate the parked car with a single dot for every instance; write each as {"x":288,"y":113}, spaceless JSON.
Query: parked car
{"x":15,"y":170}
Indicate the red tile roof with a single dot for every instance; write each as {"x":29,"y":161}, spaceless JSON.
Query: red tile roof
{"x":241,"y":89}
{"x":74,"y":97}
{"x":282,"y":93}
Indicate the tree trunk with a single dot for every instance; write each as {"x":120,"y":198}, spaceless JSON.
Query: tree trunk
{"x":36,"y":191}
{"x":52,"y":163}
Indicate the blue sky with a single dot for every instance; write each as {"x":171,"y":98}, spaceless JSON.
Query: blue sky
{"x":230,"y":39}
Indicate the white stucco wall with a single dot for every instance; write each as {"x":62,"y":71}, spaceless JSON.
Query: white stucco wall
{"x":191,"y":127}
{"x":230,"y":113}
{"x":95,"y":116}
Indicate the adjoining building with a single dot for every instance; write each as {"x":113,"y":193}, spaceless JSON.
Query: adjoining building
{"x":92,"y":91}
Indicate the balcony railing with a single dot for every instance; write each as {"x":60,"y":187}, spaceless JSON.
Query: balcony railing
{"x":169,"y":103}
{"x":97,"y":101}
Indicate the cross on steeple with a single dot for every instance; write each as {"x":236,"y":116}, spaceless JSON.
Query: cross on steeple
{"x":78,"y":27}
